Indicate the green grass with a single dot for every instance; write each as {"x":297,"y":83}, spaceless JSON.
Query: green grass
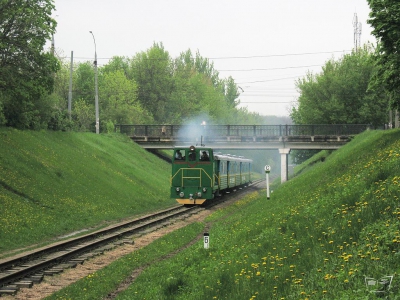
{"x":52,"y":183}
{"x":316,"y":238}
{"x":309,"y":163}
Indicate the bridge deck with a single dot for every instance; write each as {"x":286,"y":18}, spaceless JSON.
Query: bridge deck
{"x":243,"y":136}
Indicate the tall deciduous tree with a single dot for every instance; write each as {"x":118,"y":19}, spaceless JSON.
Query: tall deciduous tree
{"x":26,"y":72}
{"x":385,"y":19}
{"x":153,"y":74}
{"x":231,"y":92}
{"x":119,"y":104}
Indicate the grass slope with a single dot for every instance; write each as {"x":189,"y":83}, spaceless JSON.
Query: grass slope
{"x":52,"y":183}
{"x":316,"y":238}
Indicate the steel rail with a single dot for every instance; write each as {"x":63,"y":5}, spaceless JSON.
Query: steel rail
{"x":21,"y":266}
{"x":27,"y":268}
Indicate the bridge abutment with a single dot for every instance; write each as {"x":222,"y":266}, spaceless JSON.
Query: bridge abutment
{"x":284,"y":152}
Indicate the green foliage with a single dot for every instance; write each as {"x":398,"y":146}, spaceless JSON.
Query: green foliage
{"x":340,"y":94}
{"x":84,"y":82}
{"x":148,"y":88}
{"x":2,"y":117}
{"x":119,"y":102}
{"x":384,"y":18}
{"x":52,"y":183}
{"x":118,"y":63}
{"x":84,"y":115}
{"x":26,"y":72}
{"x":153,"y":74}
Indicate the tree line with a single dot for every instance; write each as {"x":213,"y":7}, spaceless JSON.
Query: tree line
{"x":151,"y":87}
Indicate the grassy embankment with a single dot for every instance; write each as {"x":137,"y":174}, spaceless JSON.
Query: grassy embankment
{"x":54,"y":183}
{"x":316,"y":238}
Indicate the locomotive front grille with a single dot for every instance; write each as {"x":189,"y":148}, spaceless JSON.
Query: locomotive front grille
{"x":192,"y":177}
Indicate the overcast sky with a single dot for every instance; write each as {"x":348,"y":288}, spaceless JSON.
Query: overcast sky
{"x":265,"y":45}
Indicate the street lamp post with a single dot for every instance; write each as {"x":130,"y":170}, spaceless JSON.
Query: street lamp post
{"x":96,"y":96}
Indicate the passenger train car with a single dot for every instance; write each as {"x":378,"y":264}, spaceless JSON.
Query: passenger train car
{"x":200,"y":174}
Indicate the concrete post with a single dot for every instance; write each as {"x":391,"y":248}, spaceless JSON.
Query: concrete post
{"x":284,"y":164}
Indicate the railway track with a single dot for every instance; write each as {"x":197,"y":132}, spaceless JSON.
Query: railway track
{"x":27,"y":269}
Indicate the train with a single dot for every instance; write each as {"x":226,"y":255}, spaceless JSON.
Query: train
{"x":199,"y":174}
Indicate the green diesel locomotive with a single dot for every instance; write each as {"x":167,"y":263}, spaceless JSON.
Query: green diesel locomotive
{"x":200,"y":174}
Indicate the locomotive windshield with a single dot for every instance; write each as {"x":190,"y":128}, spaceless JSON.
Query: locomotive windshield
{"x":205,"y":156}
{"x":192,"y":154}
{"x":179,"y":154}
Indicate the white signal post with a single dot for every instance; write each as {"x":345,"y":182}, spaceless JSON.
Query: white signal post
{"x":206,"y":240}
{"x":267,"y":169}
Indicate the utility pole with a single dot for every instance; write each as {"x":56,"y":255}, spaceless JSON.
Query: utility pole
{"x":357,"y":32}
{"x":96,"y":96}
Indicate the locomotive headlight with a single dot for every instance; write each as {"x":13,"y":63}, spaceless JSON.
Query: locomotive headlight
{"x":204,"y":190}
{"x":181,"y":194}
{"x":177,"y":189}
{"x":198,"y":194}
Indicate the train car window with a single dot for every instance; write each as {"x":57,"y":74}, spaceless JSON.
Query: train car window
{"x":205,"y":155}
{"x":222,"y":168}
{"x":179,"y":154}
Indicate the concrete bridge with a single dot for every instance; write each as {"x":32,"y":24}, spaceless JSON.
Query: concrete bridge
{"x":251,"y":137}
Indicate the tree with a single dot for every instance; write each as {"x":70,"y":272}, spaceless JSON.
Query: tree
{"x":84,"y":84}
{"x":119,"y":103}
{"x":231,"y":92}
{"x":153,"y":74}
{"x":26,"y":72}
{"x":340,"y":94}
{"x":118,"y":63}
{"x":385,"y":19}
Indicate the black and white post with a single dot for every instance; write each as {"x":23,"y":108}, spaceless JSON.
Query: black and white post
{"x":206,"y":240}
{"x":267,"y":170}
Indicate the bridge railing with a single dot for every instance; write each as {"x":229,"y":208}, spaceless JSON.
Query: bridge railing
{"x":240,"y":130}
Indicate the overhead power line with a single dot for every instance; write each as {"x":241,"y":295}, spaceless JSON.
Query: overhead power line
{"x":269,"y":69}
{"x":275,"y":55}
{"x":269,"y":80}
{"x":235,"y":57}
{"x":266,"y":102}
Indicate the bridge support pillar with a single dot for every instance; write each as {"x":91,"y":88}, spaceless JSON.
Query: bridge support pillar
{"x":284,"y":152}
